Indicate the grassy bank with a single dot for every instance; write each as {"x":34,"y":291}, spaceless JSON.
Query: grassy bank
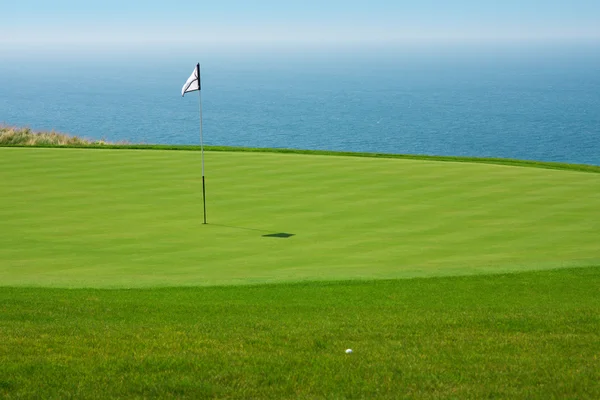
{"x":531,"y":335}
{"x":13,"y":136}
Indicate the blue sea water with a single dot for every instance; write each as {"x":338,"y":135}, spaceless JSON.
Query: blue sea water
{"x":526,"y":103}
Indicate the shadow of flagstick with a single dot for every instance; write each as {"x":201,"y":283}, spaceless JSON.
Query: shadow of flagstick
{"x":268,"y":233}
{"x":281,"y":235}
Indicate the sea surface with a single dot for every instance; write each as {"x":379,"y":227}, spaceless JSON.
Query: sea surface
{"x":526,"y":103}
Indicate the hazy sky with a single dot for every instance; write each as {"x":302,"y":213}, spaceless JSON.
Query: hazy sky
{"x":62,"y":22}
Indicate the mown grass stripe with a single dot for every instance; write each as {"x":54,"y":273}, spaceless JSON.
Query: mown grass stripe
{"x":126,"y":218}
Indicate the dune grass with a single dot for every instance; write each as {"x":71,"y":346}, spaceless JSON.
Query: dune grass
{"x":13,"y":136}
{"x":127,"y":218}
{"x":531,"y":335}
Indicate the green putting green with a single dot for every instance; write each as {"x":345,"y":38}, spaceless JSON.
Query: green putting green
{"x":133,"y":218}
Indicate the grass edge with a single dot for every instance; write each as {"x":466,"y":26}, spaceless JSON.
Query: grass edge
{"x":422,"y":157}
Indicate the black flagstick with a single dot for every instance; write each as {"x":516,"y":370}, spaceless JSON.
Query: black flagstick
{"x":201,"y":142}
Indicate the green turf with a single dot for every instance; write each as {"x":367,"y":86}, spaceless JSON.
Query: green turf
{"x":133,"y":218}
{"x":532,"y":335}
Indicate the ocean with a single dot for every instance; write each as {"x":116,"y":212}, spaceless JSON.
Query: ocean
{"x":535,"y":103}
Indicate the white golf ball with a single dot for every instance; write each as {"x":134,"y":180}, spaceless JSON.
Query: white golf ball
{"x":348,"y":351}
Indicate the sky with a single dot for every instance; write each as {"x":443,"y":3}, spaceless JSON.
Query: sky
{"x":146,"y":23}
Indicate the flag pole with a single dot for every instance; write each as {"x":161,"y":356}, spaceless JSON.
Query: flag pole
{"x":201,"y":143}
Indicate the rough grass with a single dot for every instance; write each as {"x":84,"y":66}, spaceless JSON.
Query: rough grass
{"x":528,"y":335}
{"x":11,"y":136}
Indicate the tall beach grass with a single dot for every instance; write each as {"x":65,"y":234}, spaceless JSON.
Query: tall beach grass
{"x":27,"y":137}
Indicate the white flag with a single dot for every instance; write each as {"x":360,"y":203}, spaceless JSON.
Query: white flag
{"x":193,"y":82}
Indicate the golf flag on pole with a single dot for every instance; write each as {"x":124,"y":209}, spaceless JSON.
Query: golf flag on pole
{"x":191,"y":85}
{"x":193,"y":82}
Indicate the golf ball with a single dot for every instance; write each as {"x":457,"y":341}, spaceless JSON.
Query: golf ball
{"x":348,"y":351}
